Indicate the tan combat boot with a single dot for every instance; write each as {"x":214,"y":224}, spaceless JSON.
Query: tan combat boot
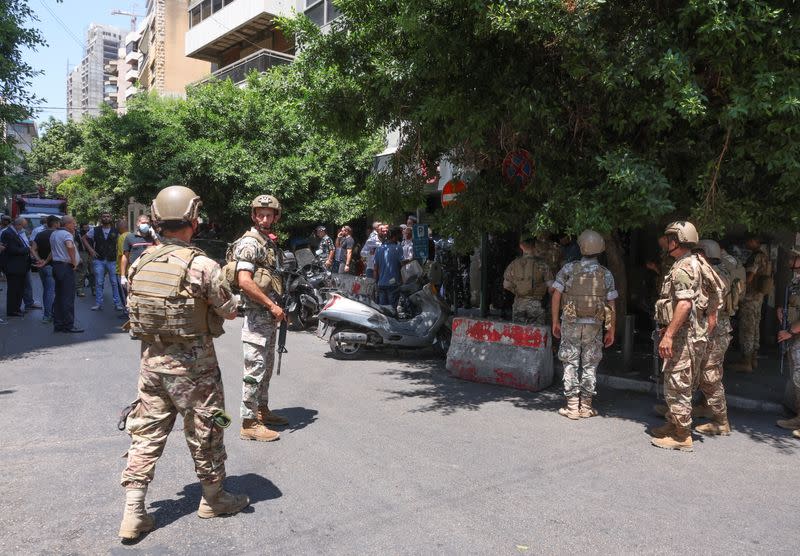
{"x":135,"y":520}
{"x":586,"y":407}
{"x":267,"y":417}
{"x":702,"y":410}
{"x":216,"y":501}
{"x":790,"y":424}
{"x":745,"y":365}
{"x":796,"y":433}
{"x":253,"y":430}
{"x":719,"y":426}
{"x":666,"y":429}
{"x":572,"y":410}
{"x":680,"y":439}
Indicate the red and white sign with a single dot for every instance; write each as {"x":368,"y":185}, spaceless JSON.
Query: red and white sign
{"x":451,"y":190}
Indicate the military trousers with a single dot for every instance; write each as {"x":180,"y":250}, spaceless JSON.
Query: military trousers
{"x":161,"y":398}
{"x":259,"y":334}
{"x":680,"y":373}
{"x":750,"y":323}
{"x":709,"y":379}
{"x":581,"y":349}
{"x":528,"y":310}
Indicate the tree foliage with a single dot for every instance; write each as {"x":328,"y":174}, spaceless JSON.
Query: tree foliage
{"x":634,"y":111}
{"x":229,"y":144}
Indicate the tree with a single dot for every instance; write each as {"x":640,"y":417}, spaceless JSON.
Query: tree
{"x":58,"y":148}
{"x":16,"y":98}
{"x":229,"y":144}
{"x":633,"y":110}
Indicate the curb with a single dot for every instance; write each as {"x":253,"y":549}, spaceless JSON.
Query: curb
{"x":648,"y":387}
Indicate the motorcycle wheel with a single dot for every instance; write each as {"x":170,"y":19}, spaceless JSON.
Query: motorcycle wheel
{"x":344,"y":350}
{"x":442,"y":342}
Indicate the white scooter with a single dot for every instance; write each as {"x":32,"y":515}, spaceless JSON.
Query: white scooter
{"x":351,"y":325}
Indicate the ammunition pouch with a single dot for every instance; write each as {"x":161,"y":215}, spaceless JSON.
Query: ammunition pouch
{"x":664,"y":312}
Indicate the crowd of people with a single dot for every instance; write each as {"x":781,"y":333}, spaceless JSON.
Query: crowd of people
{"x":65,"y":257}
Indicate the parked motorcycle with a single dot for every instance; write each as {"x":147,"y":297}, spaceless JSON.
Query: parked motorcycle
{"x":306,"y":290}
{"x":351,"y":325}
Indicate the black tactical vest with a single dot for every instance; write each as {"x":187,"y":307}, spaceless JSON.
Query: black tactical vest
{"x":106,"y":248}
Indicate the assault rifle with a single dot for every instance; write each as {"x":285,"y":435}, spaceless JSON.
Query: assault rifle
{"x":784,"y":324}
{"x":656,"y":336}
{"x":280,"y":301}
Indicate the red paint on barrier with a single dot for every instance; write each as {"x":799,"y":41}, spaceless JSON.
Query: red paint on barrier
{"x":498,"y":332}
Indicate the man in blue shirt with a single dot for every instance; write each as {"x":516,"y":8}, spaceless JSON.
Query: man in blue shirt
{"x":388,"y":259}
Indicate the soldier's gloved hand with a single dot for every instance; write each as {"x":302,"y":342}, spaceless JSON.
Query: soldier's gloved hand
{"x":123,"y":281}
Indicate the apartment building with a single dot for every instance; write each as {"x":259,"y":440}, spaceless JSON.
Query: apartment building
{"x":157,"y":59}
{"x":88,"y":85}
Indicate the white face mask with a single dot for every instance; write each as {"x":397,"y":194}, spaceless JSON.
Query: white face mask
{"x":144,"y":228}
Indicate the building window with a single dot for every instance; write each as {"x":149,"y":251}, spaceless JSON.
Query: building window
{"x":216,"y":5}
{"x":205,"y":9}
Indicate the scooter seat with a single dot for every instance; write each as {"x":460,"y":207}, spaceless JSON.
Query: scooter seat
{"x":387,"y":310}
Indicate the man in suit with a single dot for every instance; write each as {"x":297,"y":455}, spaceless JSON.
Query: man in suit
{"x":17,"y":264}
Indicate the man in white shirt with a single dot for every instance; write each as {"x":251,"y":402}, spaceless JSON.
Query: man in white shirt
{"x":65,"y":259}
{"x":370,"y":246}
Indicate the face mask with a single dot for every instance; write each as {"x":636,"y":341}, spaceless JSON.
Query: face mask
{"x":144,"y":228}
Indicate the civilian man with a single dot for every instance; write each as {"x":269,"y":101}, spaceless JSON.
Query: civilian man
{"x":17,"y":263}
{"x":101,"y":243}
{"x":65,"y":259}
{"x":40,"y":248}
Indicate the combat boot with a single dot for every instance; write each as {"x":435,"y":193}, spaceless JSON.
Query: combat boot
{"x":216,"y":501}
{"x":253,"y":430}
{"x":267,"y":417}
{"x":796,"y":433}
{"x":719,"y":426}
{"x":586,"y":407}
{"x":680,"y":439}
{"x":790,"y":424}
{"x":572,"y":410}
{"x":754,"y":361}
{"x":135,"y":520}
{"x":661,"y":409}
{"x":702,"y":410}
{"x":666,"y":429}
{"x":745,"y":365}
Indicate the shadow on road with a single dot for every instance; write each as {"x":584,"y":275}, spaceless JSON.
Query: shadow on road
{"x":299,"y":417}
{"x":255,"y":486}
{"x":2,"y":392}
{"x":428,"y":380}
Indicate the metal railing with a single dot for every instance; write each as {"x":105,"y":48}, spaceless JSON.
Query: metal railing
{"x":261,"y":61}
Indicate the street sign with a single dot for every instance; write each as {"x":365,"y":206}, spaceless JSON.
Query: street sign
{"x":518,"y":168}
{"x":420,"y":239}
{"x":451,"y":190}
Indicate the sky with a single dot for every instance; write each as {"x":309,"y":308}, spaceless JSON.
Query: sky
{"x":65,"y":42}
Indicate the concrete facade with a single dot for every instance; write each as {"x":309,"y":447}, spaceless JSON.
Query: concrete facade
{"x":89,"y":85}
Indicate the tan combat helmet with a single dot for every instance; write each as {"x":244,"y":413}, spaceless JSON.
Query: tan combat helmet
{"x":685,"y":232}
{"x":266,"y":201}
{"x":710,"y":248}
{"x":176,"y":203}
{"x":591,"y":243}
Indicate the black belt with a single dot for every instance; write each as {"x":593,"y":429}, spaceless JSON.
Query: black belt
{"x":61,"y":262}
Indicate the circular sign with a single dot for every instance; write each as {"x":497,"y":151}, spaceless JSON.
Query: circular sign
{"x":451,"y":190}
{"x":518,"y":168}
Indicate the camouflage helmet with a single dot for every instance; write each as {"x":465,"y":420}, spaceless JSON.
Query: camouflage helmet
{"x":685,"y":232}
{"x":591,"y":243}
{"x":176,"y":203}
{"x":266,"y":201}
{"x":710,"y":248}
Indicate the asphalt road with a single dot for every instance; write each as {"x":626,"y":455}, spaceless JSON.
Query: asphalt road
{"x":385,"y":455}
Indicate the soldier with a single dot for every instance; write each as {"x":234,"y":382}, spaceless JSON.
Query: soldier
{"x":177,"y":305}
{"x":759,"y":283}
{"x":710,"y":379}
{"x":792,"y":339}
{"x":681,"y":316}
{"x":258,"y":276}
{"x":528,"y":277}
{"x":589,"y":293}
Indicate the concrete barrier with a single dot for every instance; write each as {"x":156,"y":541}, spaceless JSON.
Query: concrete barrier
{"x":514,"y":355}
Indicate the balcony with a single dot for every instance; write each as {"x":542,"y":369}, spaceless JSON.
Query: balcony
{"x":132,"y":75}
{"x":133,"y":57}
{"x":232,"y":24}
{"x":130,"y":91}
{"x":261,"y":61}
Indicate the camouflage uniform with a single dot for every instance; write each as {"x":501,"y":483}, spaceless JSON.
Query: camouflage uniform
{"x":581,"y":337}
{"x":689,"y":344}
{"x":793,"y":346}
{"x":750,"y":308}
{"x":181,"y":378}
{"x":528,"y":278}
{"x":710,"y":377}
{"x":258,"y":329}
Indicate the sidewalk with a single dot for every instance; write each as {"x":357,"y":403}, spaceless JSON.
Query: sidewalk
{"x":763,"y":390}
